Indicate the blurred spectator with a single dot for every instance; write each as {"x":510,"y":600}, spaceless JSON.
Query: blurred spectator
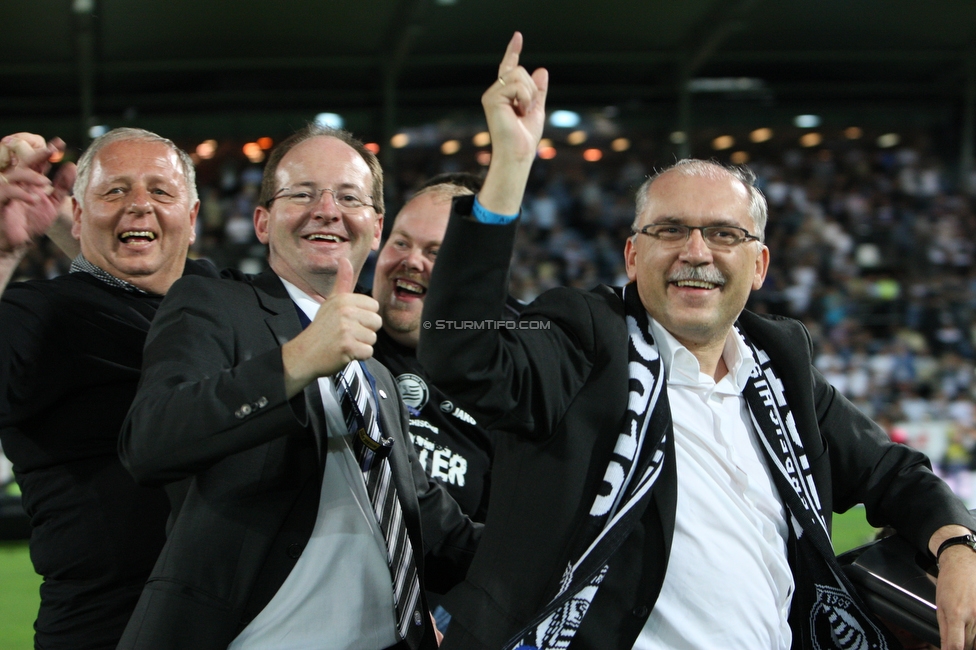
{"x":874,"y":252}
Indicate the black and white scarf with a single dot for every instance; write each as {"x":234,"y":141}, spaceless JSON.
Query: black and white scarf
{"x":825,"y":612}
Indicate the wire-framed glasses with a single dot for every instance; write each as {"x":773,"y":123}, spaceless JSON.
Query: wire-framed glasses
{"x":720,"y":237}
{"x":351,"y":199}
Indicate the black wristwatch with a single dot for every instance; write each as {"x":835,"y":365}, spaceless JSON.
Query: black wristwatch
{"x":969,"y":540}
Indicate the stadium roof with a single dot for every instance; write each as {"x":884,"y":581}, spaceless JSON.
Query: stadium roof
{"x":193,"y":68}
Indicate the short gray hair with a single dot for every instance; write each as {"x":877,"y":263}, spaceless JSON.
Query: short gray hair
{"x":126,"y":134}
{"x":758,"y":209}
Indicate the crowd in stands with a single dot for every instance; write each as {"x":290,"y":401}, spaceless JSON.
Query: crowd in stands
{"x":874,"y":251}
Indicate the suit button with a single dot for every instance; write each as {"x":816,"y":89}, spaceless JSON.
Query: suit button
{"x":295,"y":551}
{"x":640,"y":611}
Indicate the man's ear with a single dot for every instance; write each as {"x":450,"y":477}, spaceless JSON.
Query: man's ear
{"x":377,"y":233}
{"x":193,"y":221}
{"x":762,"y":266}
{"x":261,"y":218}
{"x":630,"y":258}
{"x":75,"y":218}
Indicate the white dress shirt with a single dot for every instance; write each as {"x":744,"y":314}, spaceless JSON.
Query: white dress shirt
{"x":339,"y":595}
{"x":728,"y":582}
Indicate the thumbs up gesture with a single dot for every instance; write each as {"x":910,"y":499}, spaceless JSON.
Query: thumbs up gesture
{"x":343,"y":330}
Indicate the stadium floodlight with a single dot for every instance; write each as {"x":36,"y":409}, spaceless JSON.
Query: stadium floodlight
{"x":888,"y":140}
{"x":564,"y":119}
{"x":330,"y":120}
{"x":97,"y":130}
{"x":807,"y":121}
{"x":725,"y":85}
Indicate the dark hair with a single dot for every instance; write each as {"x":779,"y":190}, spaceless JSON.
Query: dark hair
{"x":268,"y":188}
{"x":466,"y":180}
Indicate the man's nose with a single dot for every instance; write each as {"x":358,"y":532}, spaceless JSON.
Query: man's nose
{"x":695,"y":247}
{"x":414,"y":259}
{"x":139,"y":200}
{"x":326,"y":205}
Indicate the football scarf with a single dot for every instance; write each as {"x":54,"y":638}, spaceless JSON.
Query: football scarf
{"x":635,"y":465}
{"x":825,"y":612}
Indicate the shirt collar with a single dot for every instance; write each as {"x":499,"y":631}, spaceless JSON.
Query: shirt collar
{"x":682,"y":366}
{"x":81,"y":265}
{"x":304,"y":301}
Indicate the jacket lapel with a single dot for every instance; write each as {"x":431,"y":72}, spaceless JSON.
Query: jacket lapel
{"x":283,"y":322}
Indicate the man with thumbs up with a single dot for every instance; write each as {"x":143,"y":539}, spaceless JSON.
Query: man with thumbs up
{"x":301,"y":516}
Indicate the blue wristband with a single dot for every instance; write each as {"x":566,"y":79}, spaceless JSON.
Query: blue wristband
{"x":484,"y":216}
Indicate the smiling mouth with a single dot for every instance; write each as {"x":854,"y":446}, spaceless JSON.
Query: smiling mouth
{"x":696,"y":284}
{"x":324,"y":237}
{"x":404,"y":288}
{"x":131,"y":236}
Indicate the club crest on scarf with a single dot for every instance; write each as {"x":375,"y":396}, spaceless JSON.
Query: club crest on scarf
{"x":837,"y":618}
{"x":833,"y":627}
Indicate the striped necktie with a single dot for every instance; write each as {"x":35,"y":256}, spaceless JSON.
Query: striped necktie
{"x":358,"y":399}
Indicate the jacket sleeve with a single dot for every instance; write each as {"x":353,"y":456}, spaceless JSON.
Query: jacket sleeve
{"x":206,"y":391}
{"x":893,"y":481}
{"x":517,"y":376}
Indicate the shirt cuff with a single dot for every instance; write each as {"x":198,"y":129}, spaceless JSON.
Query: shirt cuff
{"x":484,"y":216}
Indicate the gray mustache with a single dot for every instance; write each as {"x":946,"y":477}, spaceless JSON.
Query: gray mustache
{"x":699,"y":273}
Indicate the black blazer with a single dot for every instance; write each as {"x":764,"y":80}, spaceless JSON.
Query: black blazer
{"x":211,"y":412}
{"x":557,"y":389}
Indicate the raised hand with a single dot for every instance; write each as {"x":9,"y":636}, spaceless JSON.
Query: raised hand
{"x":515,"y":108}
{"x":343,"y":330}
{"x":21,"y":149}
{"x":29,"y":202}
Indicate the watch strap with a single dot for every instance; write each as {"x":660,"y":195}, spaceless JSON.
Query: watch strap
{"x":967,"y":540}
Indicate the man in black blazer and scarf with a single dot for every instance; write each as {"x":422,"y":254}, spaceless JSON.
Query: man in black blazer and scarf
{"x":306,"y":516}
{"x":670,"y":462}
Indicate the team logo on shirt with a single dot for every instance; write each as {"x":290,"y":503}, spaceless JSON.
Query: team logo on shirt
{"x":414,"y":390}
{"x":448,"y":407}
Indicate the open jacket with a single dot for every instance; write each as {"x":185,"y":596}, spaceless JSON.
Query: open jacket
{"x":243,"y":463}
{"x":556,"y":391}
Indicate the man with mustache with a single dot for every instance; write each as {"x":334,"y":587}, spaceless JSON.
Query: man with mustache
{"x":670,"y":461}
{"x":70,"y":357}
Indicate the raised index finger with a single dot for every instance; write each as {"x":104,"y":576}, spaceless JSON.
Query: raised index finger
{"x":511,"y":59}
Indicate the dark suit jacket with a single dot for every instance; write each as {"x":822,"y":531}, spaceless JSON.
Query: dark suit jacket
{"x":559,"y":392}
{"x":211,"y":409}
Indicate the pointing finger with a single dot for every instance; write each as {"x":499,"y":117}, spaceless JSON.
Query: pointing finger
{"x":511,"y":59}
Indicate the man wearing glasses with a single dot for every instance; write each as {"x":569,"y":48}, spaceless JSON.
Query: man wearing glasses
{"x":670,"y":461}
{"x":306,"y":516}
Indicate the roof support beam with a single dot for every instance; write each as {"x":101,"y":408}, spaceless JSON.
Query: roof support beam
{"x":714,"y":28}
{"x":85,"y":43}
{"x":968,"y":123}
{"x":401,"y":35}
